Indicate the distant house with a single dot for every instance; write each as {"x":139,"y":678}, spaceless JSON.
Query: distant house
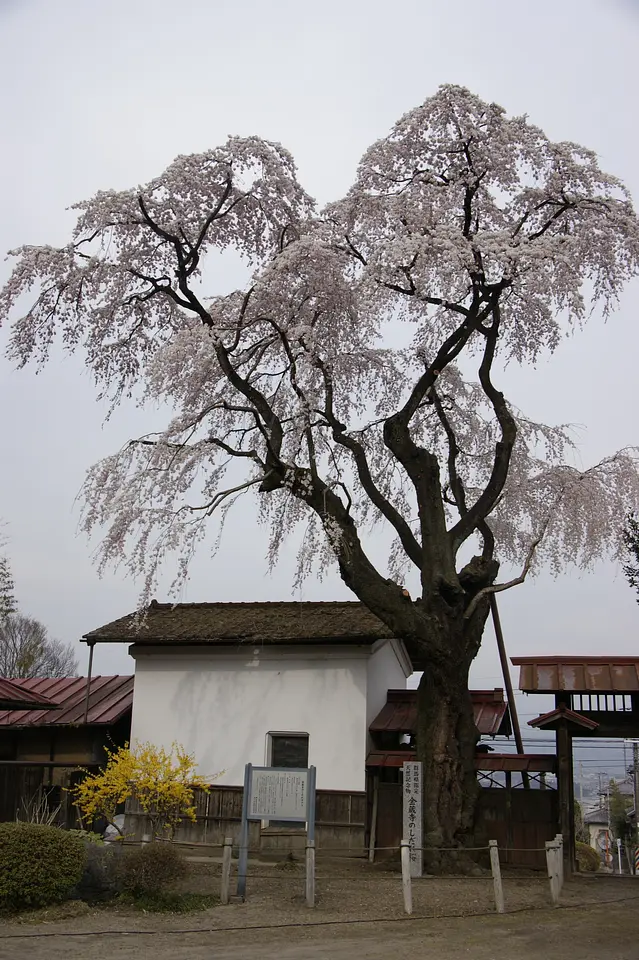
{"x":50,"y":730}
{"x":282,"y":684}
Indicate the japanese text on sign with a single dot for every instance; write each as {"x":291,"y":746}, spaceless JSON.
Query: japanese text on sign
{"x":278,"y":794}
{"x":412,"y":805}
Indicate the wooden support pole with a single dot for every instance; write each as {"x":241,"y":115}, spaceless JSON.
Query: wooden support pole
{"x":510,"y":695}
{"x":553,"y":852}
{"x":310,"y":873}
{"x":373,"y":834}
{"x":89,"y":672}
{"x":227,"y":856}
{"x":406,"y":883}
{"x":560,"y":859}
{"x":566,"y":801}
{"x":242,"y":866}
{"x":495,"y":869}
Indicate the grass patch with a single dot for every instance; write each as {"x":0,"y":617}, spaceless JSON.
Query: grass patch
{"x":170,"y":902}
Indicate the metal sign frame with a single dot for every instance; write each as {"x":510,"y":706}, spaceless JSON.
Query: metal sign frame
{"x":308,"y":819}
{"x":266,"y":815}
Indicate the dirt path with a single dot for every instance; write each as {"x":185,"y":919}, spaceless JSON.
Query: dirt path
{"x":602,"y":932}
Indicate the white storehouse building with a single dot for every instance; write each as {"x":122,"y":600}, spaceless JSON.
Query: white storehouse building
{"x":279,"y":684}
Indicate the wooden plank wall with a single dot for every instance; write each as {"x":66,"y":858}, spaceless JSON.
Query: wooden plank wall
{"x":339,"y":823}
{"x":16,"y":784}
{"x":520,"y":821}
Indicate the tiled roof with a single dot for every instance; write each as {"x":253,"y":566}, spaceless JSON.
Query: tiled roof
{"x":549,"y":721}
{"x":109,"y":699}
{"x":600,"y":815}
{"x":578,"y":674}
{"x":399,"y":714}
{"x":15,"y":697}
{"x":304,"y":622}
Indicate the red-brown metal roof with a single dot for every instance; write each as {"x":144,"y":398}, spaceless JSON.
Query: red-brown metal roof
{"x":14,"y":697}
{"x":399,"y":714}
{"x":389,"y":758}
{"x":491,"y":712}
{"x":578,"y":674}
{"x":109,"y":699}
{"x":549,"y":721}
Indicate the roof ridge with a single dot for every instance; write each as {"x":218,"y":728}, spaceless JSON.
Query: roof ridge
{"x":82,"y":676}
{"x":169,"y":605}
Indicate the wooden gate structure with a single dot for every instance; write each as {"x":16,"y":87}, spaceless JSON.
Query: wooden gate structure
{"x":519,"y":819}
{"x":515,"y":806}
{"x":594,"y":697}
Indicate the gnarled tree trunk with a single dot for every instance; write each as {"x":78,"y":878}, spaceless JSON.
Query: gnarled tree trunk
{"x":446,"y":742}
{"x":446,"y":745}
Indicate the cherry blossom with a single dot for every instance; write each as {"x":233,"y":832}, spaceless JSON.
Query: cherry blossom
{"x":354,"y":380}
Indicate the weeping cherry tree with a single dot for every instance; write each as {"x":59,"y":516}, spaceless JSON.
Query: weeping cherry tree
{"x":354,"y":381}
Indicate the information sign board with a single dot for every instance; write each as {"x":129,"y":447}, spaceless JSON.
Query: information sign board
{"x":412,"y":797}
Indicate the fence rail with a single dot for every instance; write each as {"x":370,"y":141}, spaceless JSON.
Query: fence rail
{"x":553,"y":851}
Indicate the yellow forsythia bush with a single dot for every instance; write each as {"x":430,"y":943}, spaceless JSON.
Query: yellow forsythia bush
{"x":163,"y":783}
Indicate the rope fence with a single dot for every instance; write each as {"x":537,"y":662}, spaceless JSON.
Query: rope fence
{"x":410,"y":870}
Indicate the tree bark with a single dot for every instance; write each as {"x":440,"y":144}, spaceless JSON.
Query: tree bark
{"x":446,"y":742}
{"x":446,"y":746}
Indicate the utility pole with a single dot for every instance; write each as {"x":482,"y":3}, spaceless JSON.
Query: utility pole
{"x":505,"y":669}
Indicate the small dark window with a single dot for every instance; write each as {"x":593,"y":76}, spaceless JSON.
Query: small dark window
{"x":289,"y":750}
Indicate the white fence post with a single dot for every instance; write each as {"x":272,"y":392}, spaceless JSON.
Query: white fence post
{"x":560,"y":860}
{"x":310,"y":873}
{"x":406,"y":884}
{"x":227,"y":854}
{"x":496,"y":872}
{"x":552,"y":855}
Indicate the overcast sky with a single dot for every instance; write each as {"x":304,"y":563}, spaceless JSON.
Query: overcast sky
{"x":104,"y":95}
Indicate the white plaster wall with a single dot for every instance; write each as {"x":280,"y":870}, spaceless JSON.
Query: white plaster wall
{"x":388,"y":669}
{"x":221,"y":706}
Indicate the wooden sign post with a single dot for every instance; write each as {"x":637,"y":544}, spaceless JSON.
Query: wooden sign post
{"x":412,"y":833}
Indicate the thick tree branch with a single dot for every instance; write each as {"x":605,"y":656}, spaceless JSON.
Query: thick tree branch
{"x":272,"y":427}
{"x":438,"y":568}
{"x":386,"y":508}
{"x":485,"y":503}
{"x":500,"y":587}
{"x":454,"y":480}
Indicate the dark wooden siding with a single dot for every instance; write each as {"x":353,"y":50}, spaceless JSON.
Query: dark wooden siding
{"x":520,"y":821}
{"x":339,"y":823}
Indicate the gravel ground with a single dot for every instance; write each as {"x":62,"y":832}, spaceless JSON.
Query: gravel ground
{"x":351,"y":895}
{"x":602,"y":932}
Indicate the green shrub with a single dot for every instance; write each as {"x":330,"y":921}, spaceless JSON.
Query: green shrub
{"x":587,"y":858}
{"x":151,"y":868}
{"x":89,"y":836}
{"x":100,"y":878}
{"x":39,"y":864}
